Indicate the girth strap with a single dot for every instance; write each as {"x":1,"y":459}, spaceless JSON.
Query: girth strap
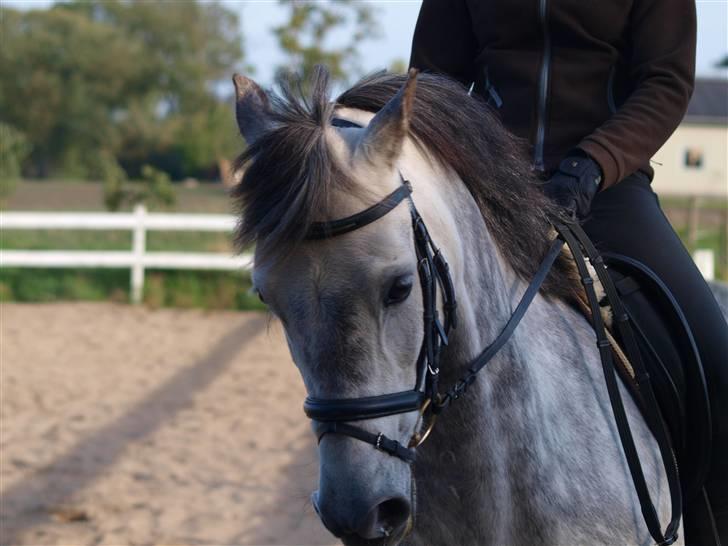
{"x":379,"y":441}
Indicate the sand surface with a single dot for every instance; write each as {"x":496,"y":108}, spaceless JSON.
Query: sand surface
{"x":121,"y":425}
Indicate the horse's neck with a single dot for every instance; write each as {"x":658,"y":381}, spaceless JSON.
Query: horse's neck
{"x":488,"y":291}
{"x":519,"y":434}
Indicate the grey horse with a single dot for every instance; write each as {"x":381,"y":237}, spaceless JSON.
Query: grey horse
{"x":531,"y":455}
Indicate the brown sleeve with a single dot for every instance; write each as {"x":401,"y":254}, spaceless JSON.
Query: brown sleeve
{"x":662,"y":33}
{"x":444,"y":41}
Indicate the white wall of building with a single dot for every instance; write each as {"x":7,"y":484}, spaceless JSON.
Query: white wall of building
{"x":710,"y":178}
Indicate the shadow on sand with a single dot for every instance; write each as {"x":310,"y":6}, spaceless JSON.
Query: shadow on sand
{"x":54,"y":483}
{"x":292,"y":505}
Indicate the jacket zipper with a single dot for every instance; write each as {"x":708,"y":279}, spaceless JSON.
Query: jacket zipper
{"x":491,"y":90}
{"x":610,"y":91}
{"x":542,"y":90}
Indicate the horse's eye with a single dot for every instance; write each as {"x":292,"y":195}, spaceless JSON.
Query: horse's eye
{"x":400,"y":289}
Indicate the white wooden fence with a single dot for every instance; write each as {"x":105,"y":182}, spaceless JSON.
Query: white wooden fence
{"x":137,"y":259}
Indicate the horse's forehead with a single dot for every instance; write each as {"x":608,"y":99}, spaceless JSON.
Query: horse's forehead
{"x":339,"y":268}
{"x":343,"y":140}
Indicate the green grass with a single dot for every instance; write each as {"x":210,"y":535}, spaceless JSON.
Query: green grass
{"x":709,"y":203}
{"x":714,"y":240}
{"x":69,"y":239}
{"x":42,"y":285}
{"x":186,"y":289}
{"x":72,"y":195}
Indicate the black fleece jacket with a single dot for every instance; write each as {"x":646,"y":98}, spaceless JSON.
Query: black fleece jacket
{"x":611,"y":78}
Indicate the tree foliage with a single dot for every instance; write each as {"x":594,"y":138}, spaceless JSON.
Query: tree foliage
{"x":154,"y":189}
{"x":132,"y":80}
{"x":14,"y":149}
{"x":325,"y":32}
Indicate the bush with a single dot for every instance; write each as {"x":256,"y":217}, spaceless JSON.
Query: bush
{"x":158,"y":189}
{"x":155,"y":189}
{"x":14,"y":149}
{"x":114,"y":180}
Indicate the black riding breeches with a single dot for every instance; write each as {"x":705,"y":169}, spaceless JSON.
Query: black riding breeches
{"x":627,"y":219}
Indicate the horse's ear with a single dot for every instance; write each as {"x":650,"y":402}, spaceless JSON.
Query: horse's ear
{"x":382,"y":141}
{"x":252,"y":108}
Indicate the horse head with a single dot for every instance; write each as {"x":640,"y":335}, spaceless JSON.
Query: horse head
{"x":351,"y":305}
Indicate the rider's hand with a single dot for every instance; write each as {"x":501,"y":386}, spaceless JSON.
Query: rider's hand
{"x":575,"y":183}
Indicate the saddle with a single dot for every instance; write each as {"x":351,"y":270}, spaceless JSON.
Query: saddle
{"x":671,"y":359}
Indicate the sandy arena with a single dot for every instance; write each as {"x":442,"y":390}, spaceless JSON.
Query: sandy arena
{"x":122,"y":425}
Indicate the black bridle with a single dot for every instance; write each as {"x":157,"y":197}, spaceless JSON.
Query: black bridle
{"x":332,"y":416}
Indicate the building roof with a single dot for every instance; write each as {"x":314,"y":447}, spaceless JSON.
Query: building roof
{"x":709,"y":103}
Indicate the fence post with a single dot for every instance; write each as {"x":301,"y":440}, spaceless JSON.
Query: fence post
{"x":705,"y":260}
{"x":693,"y":222}
{"x":138,"y":248}
{"x":723,"y":262}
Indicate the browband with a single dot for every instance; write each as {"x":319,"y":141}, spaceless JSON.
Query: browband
{"x":324,"y":230}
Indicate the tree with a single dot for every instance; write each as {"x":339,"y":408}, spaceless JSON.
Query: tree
{"x":58,"y":84}
{"x":307,"y":37}
{"x":13,"y":151}
{"x":120,"y":78}
{"x":154,"y":189}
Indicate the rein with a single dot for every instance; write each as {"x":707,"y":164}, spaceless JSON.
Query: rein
{"x":332,"y":416}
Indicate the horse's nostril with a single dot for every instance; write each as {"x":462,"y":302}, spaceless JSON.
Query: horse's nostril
{"x":385,"y":519}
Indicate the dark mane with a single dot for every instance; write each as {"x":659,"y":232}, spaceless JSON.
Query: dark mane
{"x":289,"y":171}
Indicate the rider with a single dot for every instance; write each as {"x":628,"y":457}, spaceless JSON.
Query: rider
{"x":596,"y":89}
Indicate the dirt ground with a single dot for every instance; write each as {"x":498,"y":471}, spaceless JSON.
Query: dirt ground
{"x":123,"y":425}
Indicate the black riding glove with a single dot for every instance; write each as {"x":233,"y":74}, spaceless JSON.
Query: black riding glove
{"x":575,"y":183}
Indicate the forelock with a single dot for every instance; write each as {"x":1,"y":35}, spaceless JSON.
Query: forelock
{"x":290,"y":171}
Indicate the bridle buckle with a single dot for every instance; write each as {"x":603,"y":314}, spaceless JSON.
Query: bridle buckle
{"x":421,"y":435}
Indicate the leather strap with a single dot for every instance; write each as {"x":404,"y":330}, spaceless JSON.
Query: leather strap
{"x":699,"y":405}
{"x":345,"y":123}
{"x":325,"y":230}
{"x":359,"y":409}
{"x":379,"y":441}
{"x":648,"y":510}
{"x":491,"y":350}
{"x":653,"y":414}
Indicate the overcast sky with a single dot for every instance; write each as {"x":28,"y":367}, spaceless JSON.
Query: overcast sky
{"x":398,"y":17}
